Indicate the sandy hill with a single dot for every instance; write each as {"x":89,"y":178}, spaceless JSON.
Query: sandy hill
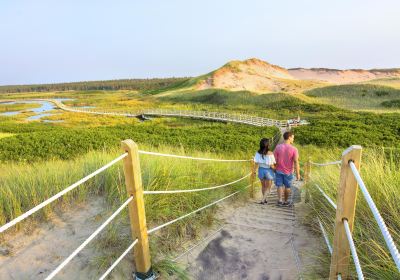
{"x":252,"y":74}
{"x":259,"y":76}
{"x":349,"y":76}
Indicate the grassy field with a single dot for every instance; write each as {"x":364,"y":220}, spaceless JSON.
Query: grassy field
{"x":390,"y":82}
{"x":357,"y":96}
{"x":16,"y":107}
{"x":381,"y":174}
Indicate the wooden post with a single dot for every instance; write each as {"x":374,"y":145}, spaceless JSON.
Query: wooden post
{"x":137,"y":215}
{"x":346,"y":205}
{"x":252,"y":178}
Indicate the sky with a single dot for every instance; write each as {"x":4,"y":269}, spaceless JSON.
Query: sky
{"x":47,"y":41}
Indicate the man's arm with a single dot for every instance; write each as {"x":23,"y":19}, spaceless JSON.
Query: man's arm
{"x":297,"y":165}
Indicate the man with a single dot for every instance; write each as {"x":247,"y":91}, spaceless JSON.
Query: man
{"x":286,"y":156}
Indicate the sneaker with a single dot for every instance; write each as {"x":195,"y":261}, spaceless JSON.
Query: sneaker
{"x":287,"y":203}
{"x":280,"y":203}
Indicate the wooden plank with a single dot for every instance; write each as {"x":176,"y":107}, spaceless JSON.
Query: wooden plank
{"x":346,"y":205}
{"x":137,"y":215}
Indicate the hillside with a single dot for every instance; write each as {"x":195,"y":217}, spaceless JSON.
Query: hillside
{"x":256,"y":75}
{"x":349,"y":76}
{"x":252,"y":75}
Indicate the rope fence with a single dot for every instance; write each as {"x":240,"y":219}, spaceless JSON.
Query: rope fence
{"x":381,"y":223}
{"x":197,"y":190}
{"x":135,"y":192}
{"x":350,"y":179}
{"x":326,"y":163}
{"x":90,"y":238}
{"x":353,"y":250}
{"x":193,"y":212}
{"x":194,"y":158}
{"x":58,"y":195}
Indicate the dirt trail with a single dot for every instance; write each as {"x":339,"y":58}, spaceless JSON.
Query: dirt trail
{"x":33,"y":254}
{"x":257,"y":242}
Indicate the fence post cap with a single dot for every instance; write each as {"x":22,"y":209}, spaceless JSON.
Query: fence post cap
{"x":351,"y":148}
{"x":128,"y":144}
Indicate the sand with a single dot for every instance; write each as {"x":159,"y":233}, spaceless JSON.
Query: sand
{"x":34,"y":254}
{"x":256,"y":242}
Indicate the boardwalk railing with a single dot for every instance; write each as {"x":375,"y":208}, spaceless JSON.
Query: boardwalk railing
{"x":136,"y":208}
{"x":343,"y":243}
{"x":205,"y":115}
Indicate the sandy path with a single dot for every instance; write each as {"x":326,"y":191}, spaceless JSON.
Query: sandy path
{"x":256,"y":242}
{"x":35,"y":253}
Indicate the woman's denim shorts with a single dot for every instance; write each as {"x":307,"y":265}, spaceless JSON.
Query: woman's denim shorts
{"x":266,"y":173}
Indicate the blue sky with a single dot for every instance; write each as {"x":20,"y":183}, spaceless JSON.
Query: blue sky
{"x":46,"y":41}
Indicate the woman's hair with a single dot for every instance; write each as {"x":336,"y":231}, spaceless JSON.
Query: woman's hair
{"x":264,"y":147}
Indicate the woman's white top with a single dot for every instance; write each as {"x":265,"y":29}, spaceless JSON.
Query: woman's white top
{"x":265,"y":162}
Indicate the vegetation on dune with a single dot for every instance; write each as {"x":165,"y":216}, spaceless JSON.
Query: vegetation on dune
{"x":395,"y":103}
{"x":356,"y":96}
{"x":279,"y":105}
{"x":127,"y":84}
{"x":381,"y":174}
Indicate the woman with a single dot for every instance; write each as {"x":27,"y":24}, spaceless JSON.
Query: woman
{"x":265,"y":160}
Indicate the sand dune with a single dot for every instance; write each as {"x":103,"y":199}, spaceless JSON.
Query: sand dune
{"x":336,"y":76}
{"x":259,"y":76}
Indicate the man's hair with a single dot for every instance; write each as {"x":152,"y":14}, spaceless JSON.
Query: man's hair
{"x":287,"y":135}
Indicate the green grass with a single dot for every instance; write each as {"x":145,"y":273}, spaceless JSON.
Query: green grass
{"x":41,"y":142}
{"x":17,"y":107}
{"x":343,"y":130}
{"x":395,"y":103}
{"x":273,"y":105}
{"x":356,"y":96}
{"x":381,"y":174}
{"x":4,"y":135}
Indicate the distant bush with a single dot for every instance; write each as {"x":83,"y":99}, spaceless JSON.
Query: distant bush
{"x":67,"y":143}
{"x":381,"y":92}
{"x":343,"y":130}
{"x":391,"y":103}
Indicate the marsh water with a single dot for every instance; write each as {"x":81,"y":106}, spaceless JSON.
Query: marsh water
{"x":40,"y":112}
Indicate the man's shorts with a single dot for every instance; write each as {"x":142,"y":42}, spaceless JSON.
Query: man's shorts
{"x":265,"y":173}
{"x":282,"y":179}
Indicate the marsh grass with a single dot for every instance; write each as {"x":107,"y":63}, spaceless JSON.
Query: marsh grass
{"x":23,"y":186}
{"x":381,"y":174}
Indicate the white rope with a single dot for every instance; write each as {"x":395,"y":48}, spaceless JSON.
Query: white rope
{"x":325,"y":236}
{"x":197,"y":190}
{"x":327,"y":197}
{"x":353,"y":250}
{"x":196,"y":158}
{"x":58,"y":195}
{"x":195,"y":211}
{"x":326,"y":163}
{"x":118,"y":260}
{"x":381,"y":223}
{"x":90,"y":238}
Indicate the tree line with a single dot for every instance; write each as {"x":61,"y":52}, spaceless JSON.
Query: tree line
{"x":125,"y":84}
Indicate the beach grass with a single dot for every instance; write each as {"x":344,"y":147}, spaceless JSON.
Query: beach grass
{"x":381,"y":174}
